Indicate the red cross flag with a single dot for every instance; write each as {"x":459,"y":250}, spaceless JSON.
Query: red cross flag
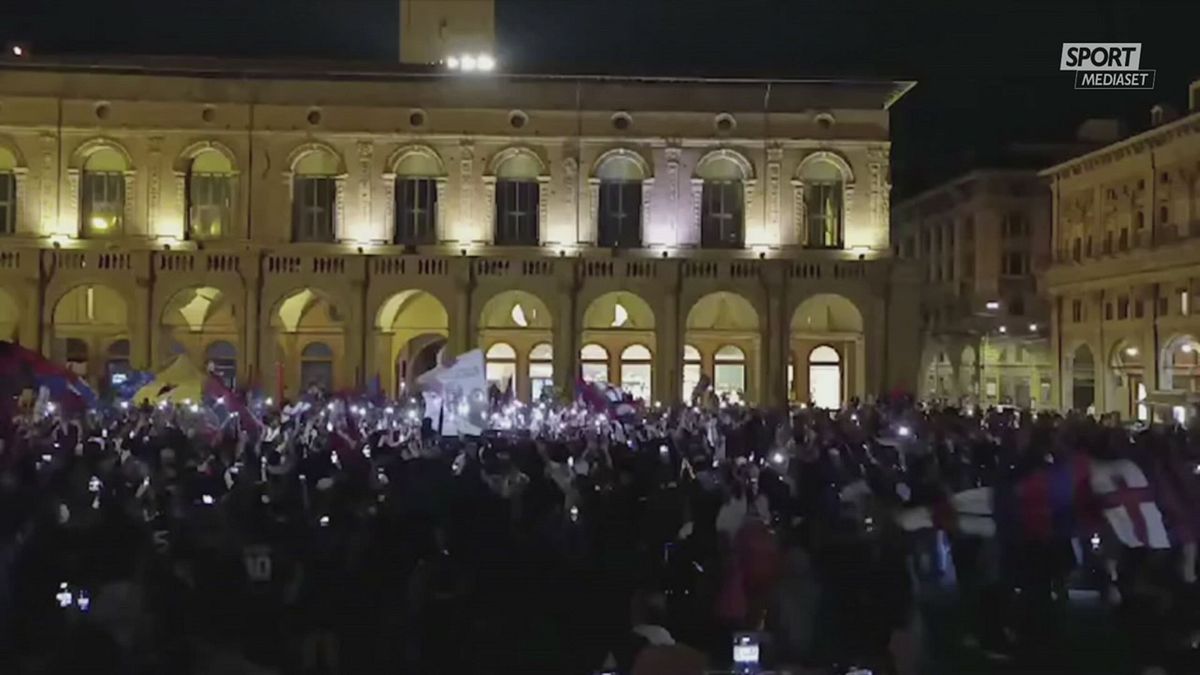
{"x":1124,"y":496}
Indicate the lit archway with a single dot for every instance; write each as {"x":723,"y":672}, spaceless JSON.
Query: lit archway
{"x":220,"y":358}
{"x":86,"y":321}
{"x":501,"y":365}
{"x":720,"y":321}
{"x":636,"y":371}
{"x":729,"y":373}
{"x":1128,"y":381}
{"x":615,"y":322}
{"x":192,"y":320}
{"x":693,"y":368}
{"x":1082,"y":370}
{"x":835,"y":321}
{"x":520,"y":320}
{"x":825,"y":377}
{"x":1180,"y":361}
{"x":310,"y":337}
{"x":411,"y":327}
{"x":593,"y":363}
{"x":541,"y":369}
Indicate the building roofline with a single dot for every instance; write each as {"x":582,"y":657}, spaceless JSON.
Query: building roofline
{"x":302,"y":69}
{"x":970,"y":175}
{"x":1112,"y":148}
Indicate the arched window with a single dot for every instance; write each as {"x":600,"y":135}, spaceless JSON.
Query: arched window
{"x":8,"y":192}
{"x":693,"y":366}
{"x":636,"y":371}
{"x":116,"y":367}
{"x":221,"y":360}
{"x":722,"y":209}
{"x":102,"y":193}
{"x":619,"y":213}
{"x":501,"y":365}
{"x":518,"y":200}
{"x":729,"y":372}
{"x":314,"y":196}
{"x":316,"y":366}
{"x":593,"y":362}
{"x":416,"y":198}
{"x":541,"y":369}
{"x":823,"y":204}
{"x":825,"y":377}
{"x":210,"y":184}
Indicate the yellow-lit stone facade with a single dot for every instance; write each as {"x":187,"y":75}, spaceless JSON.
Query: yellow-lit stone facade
{"x":293,"y":227}
{"x":1126,"y":272}
{"x":979,"y":241}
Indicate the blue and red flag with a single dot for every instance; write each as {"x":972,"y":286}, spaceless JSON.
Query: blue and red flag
{"x":22,"y":368}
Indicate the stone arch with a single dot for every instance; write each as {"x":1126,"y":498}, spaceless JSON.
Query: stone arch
{"x":301,"y":151}
{"x":520,"y":319}
{"x":416,"y":149}
{"x":500,"y":311}
{"x":93,"y":145}
{"x":834,"y":320}
{"x":833,"y":157}
{"x":634,"y":156}
{"x":1179,"y":363}
{"x":184,"y":161}
{"x":720,"y":320}
{"x":307,"y":315}
{"x":517,"y":151}
{"x":406,"y":323}
{"x":191,"y":318}
{"x":616,"y":310}
{"x":745,"y":166}
{"x":7,"y":144}
{"x":616,"y":321}
{"x":1081,"y":372}
{"x":94,"y":314}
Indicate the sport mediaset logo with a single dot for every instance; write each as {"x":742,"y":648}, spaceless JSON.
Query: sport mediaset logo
{"x":1106,"y":65}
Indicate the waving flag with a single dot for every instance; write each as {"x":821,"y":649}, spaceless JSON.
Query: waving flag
{"x":22,"y":368}
{"x":1124,"y":496}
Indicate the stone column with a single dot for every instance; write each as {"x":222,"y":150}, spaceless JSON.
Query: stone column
{"x":566,"y":337}
{"x":774,"y":334}
{"x":440,"y":229}
{"x":131,"y":225}
{"x":669,"y":335}
{"x":139,"y":317}
{"x":339,"y":209}
{"x":463,"y":335}
{"x":592,"y":236}
{"x":696,"y":236}
{"x":486,"y":231}
{"x":71,"y":214}
{"x":251,"y":366}
{"x":543,"y":208}
{"x":24,"y":224}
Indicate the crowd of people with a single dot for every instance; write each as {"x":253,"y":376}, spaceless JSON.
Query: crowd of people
{"x":344,"y":534}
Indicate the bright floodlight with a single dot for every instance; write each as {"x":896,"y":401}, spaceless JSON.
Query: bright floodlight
{"x":468,"y":63}
{"x":993,"y":305}
{"x":18,"y":50}
{"x":485,"y":62}
{"x":452,"y":63}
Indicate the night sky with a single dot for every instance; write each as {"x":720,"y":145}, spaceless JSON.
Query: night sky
{"x":987,"y":70}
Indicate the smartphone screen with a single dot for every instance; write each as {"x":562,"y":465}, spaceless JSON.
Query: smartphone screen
{"x":745,"y":651}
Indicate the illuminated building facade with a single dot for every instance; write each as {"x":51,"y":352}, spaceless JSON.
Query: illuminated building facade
{"x":294,"y":227}
{"x":979,"y":240}
{"x":1127,"y":269}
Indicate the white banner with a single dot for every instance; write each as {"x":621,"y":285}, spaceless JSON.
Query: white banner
{"x":456,"y":396}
